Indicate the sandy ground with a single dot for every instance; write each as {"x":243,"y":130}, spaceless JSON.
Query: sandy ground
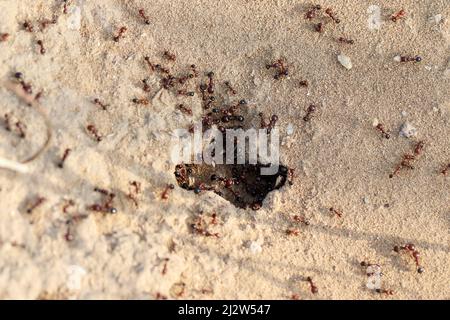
{"x":341,"y":161}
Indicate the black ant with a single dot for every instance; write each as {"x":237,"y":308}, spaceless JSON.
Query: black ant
{"x":398,"y":15}
{"x":309,"y":112}
{"x":106,"y":206}
{"x":120,"y":33}
{"x":411,"y":249}
{"x":143,"y":16}
{"x":211,"y":82}
{"x":64,"y":157}
{"x":319,"y":27}
{"x":93,"y":130}
{"x":35,"y":204}
{"x":303,"y":83}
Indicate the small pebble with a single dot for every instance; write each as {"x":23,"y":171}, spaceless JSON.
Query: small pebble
{"x":407,"y":130}
{"x":255,"y":247}
{"x":345,"y":61}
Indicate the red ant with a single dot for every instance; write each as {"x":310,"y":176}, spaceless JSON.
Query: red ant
{"x":4,"y":37}
{"x":143,"y":101}
{"x":310,"y":14}
{"x":303,"y":83}
{"x":93,"y":130}
{"x":295,"y":297}
{"x":299,"y":219}
{"x":143,"y":16}
{"x":410,"y":59}
{"x":319,"y":27}
{"x":336,"y":212}
{"x":106,"y":206}
{"x":28,"y":26}
{"x":368,"y":264}
{"x":229,"y":87}
{"x":184,"y":109}
{"x":199,"y":228}
{"x":387,"y":292}
{"x":169,"y":56}
{"x":271,"y":124}
{"x":69,"y":204}
{"x":345,"y":40}
{"x":280,"y":66}
{"x":64,"y":157}
{"x":211,"y":82}
{"x":165,"y":194}
{"x":399,"y":15}
{"x":380,"y":128}
{"x":293,"y":232}
{"x":132,"y":194}
{"x":21,"y":129}
{"x":160,"y":296}
{"x":35,"y":204}
{"x":411,"y":249}
{"x":120,"y":34}
{"x":164,"y":270}
{"x":186,"y":93}
{"x":309,"y":112}
{"x":313,"y":287}
{"x":446,"y":169}
{"x":146,"y":87}
{"x":407,"y":158}
{"x":44,"y":23}
{"x":100,"y":104}
{"x":65,"y":6}
{"x":25,"y":86}
{"x":332,"y":15}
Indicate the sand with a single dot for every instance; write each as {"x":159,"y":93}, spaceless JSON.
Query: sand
{"x":149,"y":251}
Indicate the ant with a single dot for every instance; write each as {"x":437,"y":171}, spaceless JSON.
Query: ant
{"x":165,"y":194}
{"x":373,"y":265}
{"x":380,"y":128}
{"x":446,"y":169}
{"x":64,"y":157}
{"x":146,"y":87}
{"x":65,"y":6}
{"x":143,"y":16}
{"x":169,"y":56}
{"x":4,"y":37}
{"x":332,"y":15}
{"x":28,"y":26}
{"x":293,"y":232}
{"x":25,"y":86}
{"x":336,"y":212}
{"x":93,"y":130}
{"x":230,"y":88}
{"x":186,"y":93}
{"x":410,"y":59}
{"x":398,"y":15}
{"x":120,"y":34}
{"x":407,"y":158}
{"x":69,"y":204}
{"x":143,"y":101}
{"x":309,"y":112}
{"x":280,"y":66}
{"x":387,"y":292}
{"x":164,"y":270}
{"x":312,"y":286}
{"x":46,"y":22}
{"x":310,"y":14}
{"x":100,"y":104}
{"x":19,"y":125}
{"x":160,"y":296}
{"x":199,"y":228}
{"x":132,"y":194}
{"x":319,"y":27}
{"x":21,"y":128}
{"x":185,"y":110}
{"x":299,"y":219}
{"x":194,"y":70}
{"x":106,"y":206}
{"x":303,"y":83}
{"x":214,"y":218}
{"x":211,"y":82}
{"x":271,"y":124}
{"x":35,"y":204}
{"x":345,"y":40}
{"x":411,"y":249}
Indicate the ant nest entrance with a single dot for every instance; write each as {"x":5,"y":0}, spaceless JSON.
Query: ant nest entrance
{"x":242,"y":185}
